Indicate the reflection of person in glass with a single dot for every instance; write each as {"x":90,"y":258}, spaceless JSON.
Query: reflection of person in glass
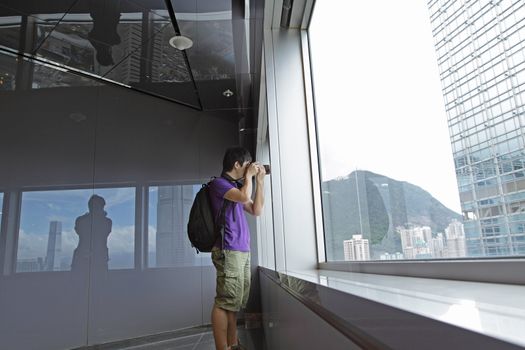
{"x":307,"y":290}
{"x":93,"y":229}
{"x":106,"y":16}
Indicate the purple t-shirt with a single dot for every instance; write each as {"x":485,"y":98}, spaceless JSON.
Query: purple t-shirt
{"x":236,"y":231}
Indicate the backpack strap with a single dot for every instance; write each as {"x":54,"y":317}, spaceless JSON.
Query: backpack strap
{"x":222,"y":217}
{"x":237,"y":183}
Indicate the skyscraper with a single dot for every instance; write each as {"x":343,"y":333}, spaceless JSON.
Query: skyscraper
{"x":172,"y":244}
{"x":54,"y":246}
{"x":481,"y":56}
{"x":455,"y":235}
{"x":416,"y":241}
{"x":356,"y":248}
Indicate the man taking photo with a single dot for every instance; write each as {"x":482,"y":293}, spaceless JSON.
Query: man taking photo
{"x":231,"y":253}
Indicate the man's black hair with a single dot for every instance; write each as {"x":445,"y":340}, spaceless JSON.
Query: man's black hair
{"x":96,"y":202}
{"x":235,"y":154}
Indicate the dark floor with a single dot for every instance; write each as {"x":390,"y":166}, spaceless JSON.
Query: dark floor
{"x":198,"y":338}
{"x":250,"y":339}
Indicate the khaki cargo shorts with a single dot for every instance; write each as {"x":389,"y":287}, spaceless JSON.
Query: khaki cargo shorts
{"x":233,"y":278}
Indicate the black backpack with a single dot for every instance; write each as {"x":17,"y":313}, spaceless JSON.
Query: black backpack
{"x":203,"y":229}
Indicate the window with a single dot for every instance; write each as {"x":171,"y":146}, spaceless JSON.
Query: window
{"x":51,"y":223}
{"x":390,"y":186}
{"x":168,"y":214}
{"x":120,"y":208}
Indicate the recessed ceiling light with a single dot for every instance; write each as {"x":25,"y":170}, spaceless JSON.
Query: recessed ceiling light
{"x":181,"y":42}
{"x":227,"y":93}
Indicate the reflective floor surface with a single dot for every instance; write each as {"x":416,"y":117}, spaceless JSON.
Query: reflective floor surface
{"x":198,"y":338}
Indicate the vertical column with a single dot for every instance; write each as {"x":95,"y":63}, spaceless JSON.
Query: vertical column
{"x":24,"y":71}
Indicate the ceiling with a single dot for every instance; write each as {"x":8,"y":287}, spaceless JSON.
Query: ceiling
{"x":126,"y":42}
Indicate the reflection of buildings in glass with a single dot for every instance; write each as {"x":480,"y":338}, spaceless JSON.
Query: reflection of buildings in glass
{"x":64,"y":45}
{"x":128,"y":70}
{"x":7,"y":81}
{"x":67,"y":48}
{"x":30,"y":265}
{"x":173,"y":247}
{"x":356,"y":248}
{"x":480,"y":55}
{"x":172,"y":66}
{"x":68,"y":44}
{"x":54,"y":247}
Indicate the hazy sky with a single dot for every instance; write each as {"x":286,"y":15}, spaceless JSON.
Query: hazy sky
{"x":378,"y":94}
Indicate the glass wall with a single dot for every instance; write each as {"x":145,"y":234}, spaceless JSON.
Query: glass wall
{"x":97,"y":177}
{"x":169,"y":211}
{"x":404,"y":175}
{"x":47,"y":236}
{"x":119,"y":215}
{"x":78,"y":158}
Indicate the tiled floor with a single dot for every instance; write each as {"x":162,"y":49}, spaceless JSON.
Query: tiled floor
{"x":252,"y":339}
{"x":202,"y":341}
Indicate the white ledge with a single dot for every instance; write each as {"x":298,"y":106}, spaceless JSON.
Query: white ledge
{"x":495,"y":310}
{"x":476,"y":270}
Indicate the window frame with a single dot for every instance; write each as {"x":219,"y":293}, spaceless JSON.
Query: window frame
{"x":9,"y":237}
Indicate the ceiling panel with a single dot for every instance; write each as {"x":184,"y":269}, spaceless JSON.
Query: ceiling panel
{"x":35,"y":7}
{"x":10,"y":27}
{"x":97,"y":39}
{"x":127,"y":41}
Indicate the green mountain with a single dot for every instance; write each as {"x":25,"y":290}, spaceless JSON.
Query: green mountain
{"x":374,"y":205}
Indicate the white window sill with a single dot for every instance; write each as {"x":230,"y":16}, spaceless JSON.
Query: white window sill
{"x":495,"y":310}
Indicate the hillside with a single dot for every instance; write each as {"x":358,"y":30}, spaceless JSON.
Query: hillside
{"x":374,"y":205}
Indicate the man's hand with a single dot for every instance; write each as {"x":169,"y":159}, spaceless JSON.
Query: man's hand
{"x":251,"y":170}
{"x":261,"y":173}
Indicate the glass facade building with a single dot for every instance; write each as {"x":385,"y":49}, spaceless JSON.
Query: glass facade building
{"x":481,"y":55}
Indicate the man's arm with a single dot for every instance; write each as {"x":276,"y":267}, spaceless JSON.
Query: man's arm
{"x":244,"y":194}
{"x":241,"y":195}
{"x":255,"y":207}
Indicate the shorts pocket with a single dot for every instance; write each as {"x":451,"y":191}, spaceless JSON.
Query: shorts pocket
{"x":231,"y":276}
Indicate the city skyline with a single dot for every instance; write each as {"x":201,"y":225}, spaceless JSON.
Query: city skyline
{"x":417,"y":242}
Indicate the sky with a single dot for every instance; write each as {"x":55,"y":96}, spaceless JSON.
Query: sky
{"x":378,"y":98}
{"x":39,"y":208}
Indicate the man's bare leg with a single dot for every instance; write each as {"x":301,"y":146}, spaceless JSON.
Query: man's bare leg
{"x":219,"y":323}
{"x":232,"y":328}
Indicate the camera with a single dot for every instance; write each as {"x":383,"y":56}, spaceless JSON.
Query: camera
{"x":266,"y":168}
